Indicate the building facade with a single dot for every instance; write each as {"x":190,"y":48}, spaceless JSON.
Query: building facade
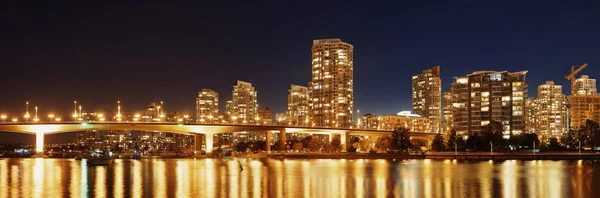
{"x":448,"y":122}
{"x":584,"y":86}
{"x":550,"y":111}
{"x":404,"y":119}
{"x":531,"y":110}
{"x":331,"y":90}
{"x":265,"y":116}
{"x":154,"y":112}
{"x":297,"y":111}
{"x":207,"y":106}
{"x":243,"y":106}
{"x":485,"y":96}
{"x":427,"y":96}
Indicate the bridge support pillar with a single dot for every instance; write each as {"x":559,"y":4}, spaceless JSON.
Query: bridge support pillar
{"x":344,"y":139}
{"x":39,"y":142}
{"x":282,"y":140}
{"x":268,"y":141}
{"x":209,"y":142}
{"x":197,"y":143}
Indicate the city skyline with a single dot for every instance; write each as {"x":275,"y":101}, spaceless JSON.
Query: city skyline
{"x":166,"y":60}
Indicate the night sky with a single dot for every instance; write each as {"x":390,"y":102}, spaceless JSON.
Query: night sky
{"x":52,"y":54}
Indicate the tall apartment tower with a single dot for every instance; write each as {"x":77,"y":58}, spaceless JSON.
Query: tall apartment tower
{"x":485,"y":96}
{"x":427,"y":97}
{"x":207,"y":106}
{"x":243,"y":106}
{"x":551,"y":112}
{"x":585,"y":103}
{"x":584,"y":86}
{"x":448,"y":123}
{"x":297,"y":111}
{"x":531,"y":110}
{"x":331,"y":91}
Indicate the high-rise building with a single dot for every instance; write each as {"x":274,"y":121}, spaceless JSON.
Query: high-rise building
{"x":207,"y":106}
{"x":531,"y":109}
{"x":485,"y":96}
{"x":331,"y":90}
{"x":297,"y":111}
{"x":427,"y":96}
{"x":243,"y":106}
{"x":584,"y":86}
{"x":583,"y":108}
{"x":550,"y":111}
{"x":265,"y":116}
{"x":448,"y":122}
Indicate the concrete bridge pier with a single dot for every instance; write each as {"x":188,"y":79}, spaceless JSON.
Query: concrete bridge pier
{"x":39,"y":142}
{"x":268,"y":141}
{"x":208,"y":142}
{"x":343,"y":140}
{"x":282,"y":139}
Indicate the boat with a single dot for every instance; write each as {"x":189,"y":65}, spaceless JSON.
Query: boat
{"x":100,"y":161}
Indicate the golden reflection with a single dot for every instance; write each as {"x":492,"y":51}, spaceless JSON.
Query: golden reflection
{"x":118,"y":183}
{"x":159,"y":184}
{"x":555,"y":180}
{"x":100,"y":181}
{"x":233,"y":181}
{"x":53,"y":177}
{"x":183,"y":179}
{"x":210,"y":177}
{"x":4,"y":178}
{"x":256,"y":174}
{"x":14,"y":181}
{"x":84,"y":179}
{"x":509,"y":178}
{"x":485,"y":176}
{"x":75,"y":179}
{"x":427,"y":182}
{"x":359,"y":178}
{"x":381,"y":174}
{"x":38,"y":177}
{"x":137,"y":190}
{"x":306,"y":179}
{"x":279,"y":178}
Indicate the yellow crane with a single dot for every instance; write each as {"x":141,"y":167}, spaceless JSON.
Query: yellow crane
{"x":572,"y":76}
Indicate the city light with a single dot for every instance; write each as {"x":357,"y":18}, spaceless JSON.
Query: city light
{"x":57,"y":119}
{"x":3,"y":118}
{"x":15,"y":119}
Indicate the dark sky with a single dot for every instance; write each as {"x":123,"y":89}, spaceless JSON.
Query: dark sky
{"x":52,"y":54}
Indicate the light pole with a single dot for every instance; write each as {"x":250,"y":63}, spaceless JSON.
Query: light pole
{"x":75,"y":110}
{"x":118,"y":111}
{"x":3,"y":118}
{"x":579,"y":147}
{"x":26,"y":111}
{"x":534,"y":147}
{"x":491,"y":148}
{"x":51,"y":116}
{"x":80,"y":115}
{"x":36,"y":119}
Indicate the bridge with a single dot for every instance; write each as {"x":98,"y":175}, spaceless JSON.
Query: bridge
{"x":199,"y":130}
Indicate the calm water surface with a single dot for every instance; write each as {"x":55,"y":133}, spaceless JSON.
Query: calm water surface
{"x":298,"y":178}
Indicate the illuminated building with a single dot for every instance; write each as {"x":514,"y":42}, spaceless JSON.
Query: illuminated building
{"x":331,"y":94}
{"x":265,"y":116}
{"x":369,"y":121}
{"x":531,"y":109}
{"x":297,"y":111}
{"x":154,"y":112}
{"x":485,"y":96}
{"x":584,"y":86}
{"x":427,"y":96}
{"x":243,"y":106}
{"x":280,"y":118}
{"x":207,"y":106}
{"x":547,"y":115}
{"x":448,"y":122}
{"x":404,"y":119}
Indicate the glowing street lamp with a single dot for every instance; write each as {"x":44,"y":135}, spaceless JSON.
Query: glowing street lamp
{"x":3,"y":118}
{"x":36,"y":115}
{"x":101,"y":117}
{"x":234,"y":118}
{"x":15,"y":120}
{"x":51,"y":116}
{"x":57,"y":119}
{"x":75,"y":110}
{"x":26,"y":111}
{"x":186,"y":117}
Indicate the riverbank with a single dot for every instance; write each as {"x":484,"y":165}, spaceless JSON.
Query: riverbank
{"x":469,"y":156}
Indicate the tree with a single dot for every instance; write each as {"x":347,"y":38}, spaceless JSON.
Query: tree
{"x":474,"y":142}
{"x":401,"y":139}
{"x":452,"y":138}
{"x":590,"y":134}
{"x":315,"y":144}
{"x":569,"y":141}
{"x":417,"y":144}
{"x":492,"y":132}
{"x":553,"y":145}
{"x":297,"y":146}
{"x":353,"y":144}
{"x":438,"y":143}
{"x":336,"y":144}
{"x":306,"y":140}
{"x":460,"y":144}
{"x":383,"y":143}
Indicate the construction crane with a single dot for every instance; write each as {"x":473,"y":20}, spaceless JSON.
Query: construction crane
{"x":572,"y":76}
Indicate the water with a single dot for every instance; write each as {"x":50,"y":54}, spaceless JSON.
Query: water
{"x":299,"y":178}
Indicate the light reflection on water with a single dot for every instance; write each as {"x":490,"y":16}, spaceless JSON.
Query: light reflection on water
{"x":298,"y":178}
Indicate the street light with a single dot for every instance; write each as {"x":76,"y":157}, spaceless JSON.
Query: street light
{"x":3,"y":118}
{"x":15,"y":119}
{"x":26,"y":111}
{"x":57,"y":119}
{"x":491,"y":148}
{"x":36,"y":115}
